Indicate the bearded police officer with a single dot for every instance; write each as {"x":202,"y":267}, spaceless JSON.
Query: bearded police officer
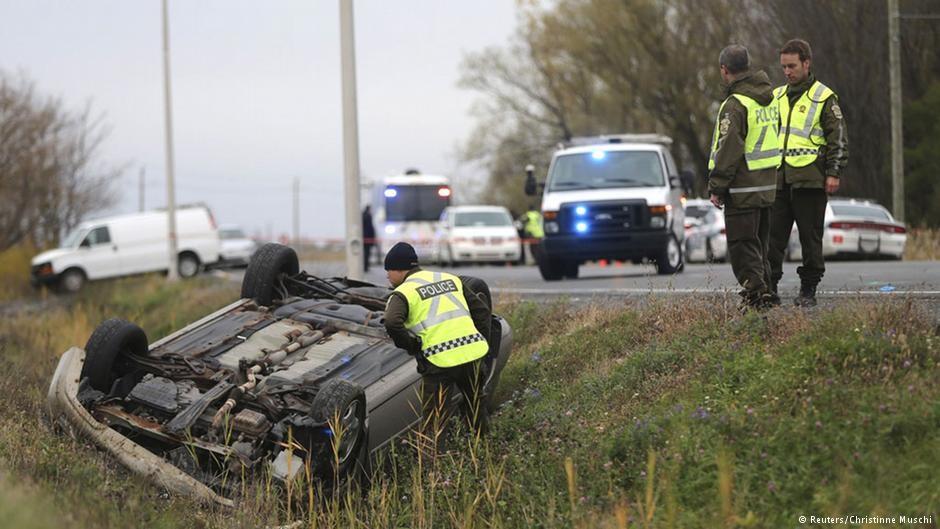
{"x":742,"y":167}
{"x":815,"y":152}
{"x":445,"y":326}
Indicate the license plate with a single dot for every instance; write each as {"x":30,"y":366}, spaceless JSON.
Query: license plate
{"x":868,"y":244}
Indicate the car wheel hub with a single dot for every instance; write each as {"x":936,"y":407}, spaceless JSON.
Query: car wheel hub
{"x":351,"y":425}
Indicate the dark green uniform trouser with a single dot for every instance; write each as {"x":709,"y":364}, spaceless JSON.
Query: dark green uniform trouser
{"x":748,"y":232}
{"x":436,"y":386}
{"x":806,"y":207}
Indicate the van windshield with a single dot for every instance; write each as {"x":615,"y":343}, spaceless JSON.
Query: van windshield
{"x":606,"y":169}
{"x":73,"y":238}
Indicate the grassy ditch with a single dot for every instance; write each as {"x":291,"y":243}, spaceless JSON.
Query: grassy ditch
{"x":666,"y":413}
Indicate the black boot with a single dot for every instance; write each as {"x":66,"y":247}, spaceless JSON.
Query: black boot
{"x":773,"y":299}
{"x":807,"y":297}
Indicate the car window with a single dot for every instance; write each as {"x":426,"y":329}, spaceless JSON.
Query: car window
{"x":606,"y":169}
{"x":99,"y":235}
{"x":482,"y":218}
{"x":232,"y":233}
{"x":856,"y":210}
{"x":73,"y":238}
{"x":697,"y":212}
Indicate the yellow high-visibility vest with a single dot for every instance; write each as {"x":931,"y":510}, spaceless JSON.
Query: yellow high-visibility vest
{"x":761,"y":146}
{"x":439,"y":315}
{"x":533,"y":224}
{"x":801,"y":135}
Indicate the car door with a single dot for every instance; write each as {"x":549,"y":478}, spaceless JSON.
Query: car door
{"x":99,"y":254}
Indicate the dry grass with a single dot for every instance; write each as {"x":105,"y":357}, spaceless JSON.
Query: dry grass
{"x":650,"y":414}
{"x":14,"y":272}
{"x":923,"y":244}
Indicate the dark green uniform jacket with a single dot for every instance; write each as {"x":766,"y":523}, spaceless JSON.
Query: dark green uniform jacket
{"x":730,"y":168}
{"x":833,"y":156}
{"x":396,"y":314}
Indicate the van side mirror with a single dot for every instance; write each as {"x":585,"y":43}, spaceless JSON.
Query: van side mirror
{"x":85,"y":244}
{"x":531,"y":187}
{"x":674,"y":182}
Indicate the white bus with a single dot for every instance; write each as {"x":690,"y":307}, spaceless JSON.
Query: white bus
{"x":408,"y":208}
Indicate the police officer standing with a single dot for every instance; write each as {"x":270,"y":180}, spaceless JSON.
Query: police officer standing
{"x":742,"y":168}
{"x":815,"y":152}
{"x":534,"y":234}
{"x":446,"y":327}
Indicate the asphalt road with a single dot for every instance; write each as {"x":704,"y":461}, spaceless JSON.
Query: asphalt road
{"x":843,"y":278}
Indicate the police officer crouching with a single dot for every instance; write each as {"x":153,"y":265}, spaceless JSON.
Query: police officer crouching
{"x":742,"y":174}
{"x":445,"y":326}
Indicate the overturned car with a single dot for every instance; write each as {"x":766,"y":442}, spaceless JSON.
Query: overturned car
{"x":297,"y":374}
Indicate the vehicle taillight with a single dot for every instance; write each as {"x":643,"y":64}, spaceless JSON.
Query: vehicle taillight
{"x":888,"y":228}
{"x":443,"y":192}
{"x":211,"y":219}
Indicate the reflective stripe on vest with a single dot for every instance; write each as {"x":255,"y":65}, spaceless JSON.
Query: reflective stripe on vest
{"x":761,"y":147}
{"x":439,"y":315}
{"x":800,"y":133}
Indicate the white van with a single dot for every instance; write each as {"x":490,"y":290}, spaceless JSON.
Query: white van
{"x":611,"y":197}
{"x":126,"y":245}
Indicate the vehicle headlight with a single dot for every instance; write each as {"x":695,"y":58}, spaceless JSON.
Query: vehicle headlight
{"x":551,"y":227}
{"x":657,"y":222}
{"x":45,"y":269}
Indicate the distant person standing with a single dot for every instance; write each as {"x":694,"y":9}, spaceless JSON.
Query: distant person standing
{"x":815,"y":152}
{"x":368,"y":237}
{"x":742,"y":171}
{"x":532,"y":227}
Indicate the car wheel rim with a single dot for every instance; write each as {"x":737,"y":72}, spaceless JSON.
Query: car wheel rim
{"x":188,"y":268}
{"x":72,"y":282}
{"x":351,"y":425}
{"x":672,"y":253}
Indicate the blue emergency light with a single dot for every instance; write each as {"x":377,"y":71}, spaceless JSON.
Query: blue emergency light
{"x":581,"y":227}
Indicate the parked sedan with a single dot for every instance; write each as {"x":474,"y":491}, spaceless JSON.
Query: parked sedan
{"x":297,"y":377}
{"x":705,"y":239}
{"x":236,"y":246}
{"x":477,"y":234}
{"x":859,"y":229}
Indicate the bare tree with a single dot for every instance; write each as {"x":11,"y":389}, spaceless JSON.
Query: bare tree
{"x":580,"y":67}
{"x":49,"y":177}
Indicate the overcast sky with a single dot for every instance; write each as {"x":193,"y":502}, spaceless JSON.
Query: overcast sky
{"x":256,"y":93}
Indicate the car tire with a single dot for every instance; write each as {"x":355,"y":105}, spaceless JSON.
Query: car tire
{"x":113,"y":339}
{"x":265,"y":269}
{"x":551,"y":269}
{"x":187,"y":265}
{"x":72,"y":280}
{"x":347,"y":401}
{"x":571,"y":269}
{"x":670,"y":261}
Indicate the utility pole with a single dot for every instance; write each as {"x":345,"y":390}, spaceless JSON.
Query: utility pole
{"x":172,"y":273}
{"x":897,"y":128}
{"x":350,"y":141}
{"x":297,"y":213}
{"x":141,"y":188}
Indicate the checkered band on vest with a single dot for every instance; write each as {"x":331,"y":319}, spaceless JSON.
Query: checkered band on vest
{"x":452,"y":344}
{"x":800,"y":152}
